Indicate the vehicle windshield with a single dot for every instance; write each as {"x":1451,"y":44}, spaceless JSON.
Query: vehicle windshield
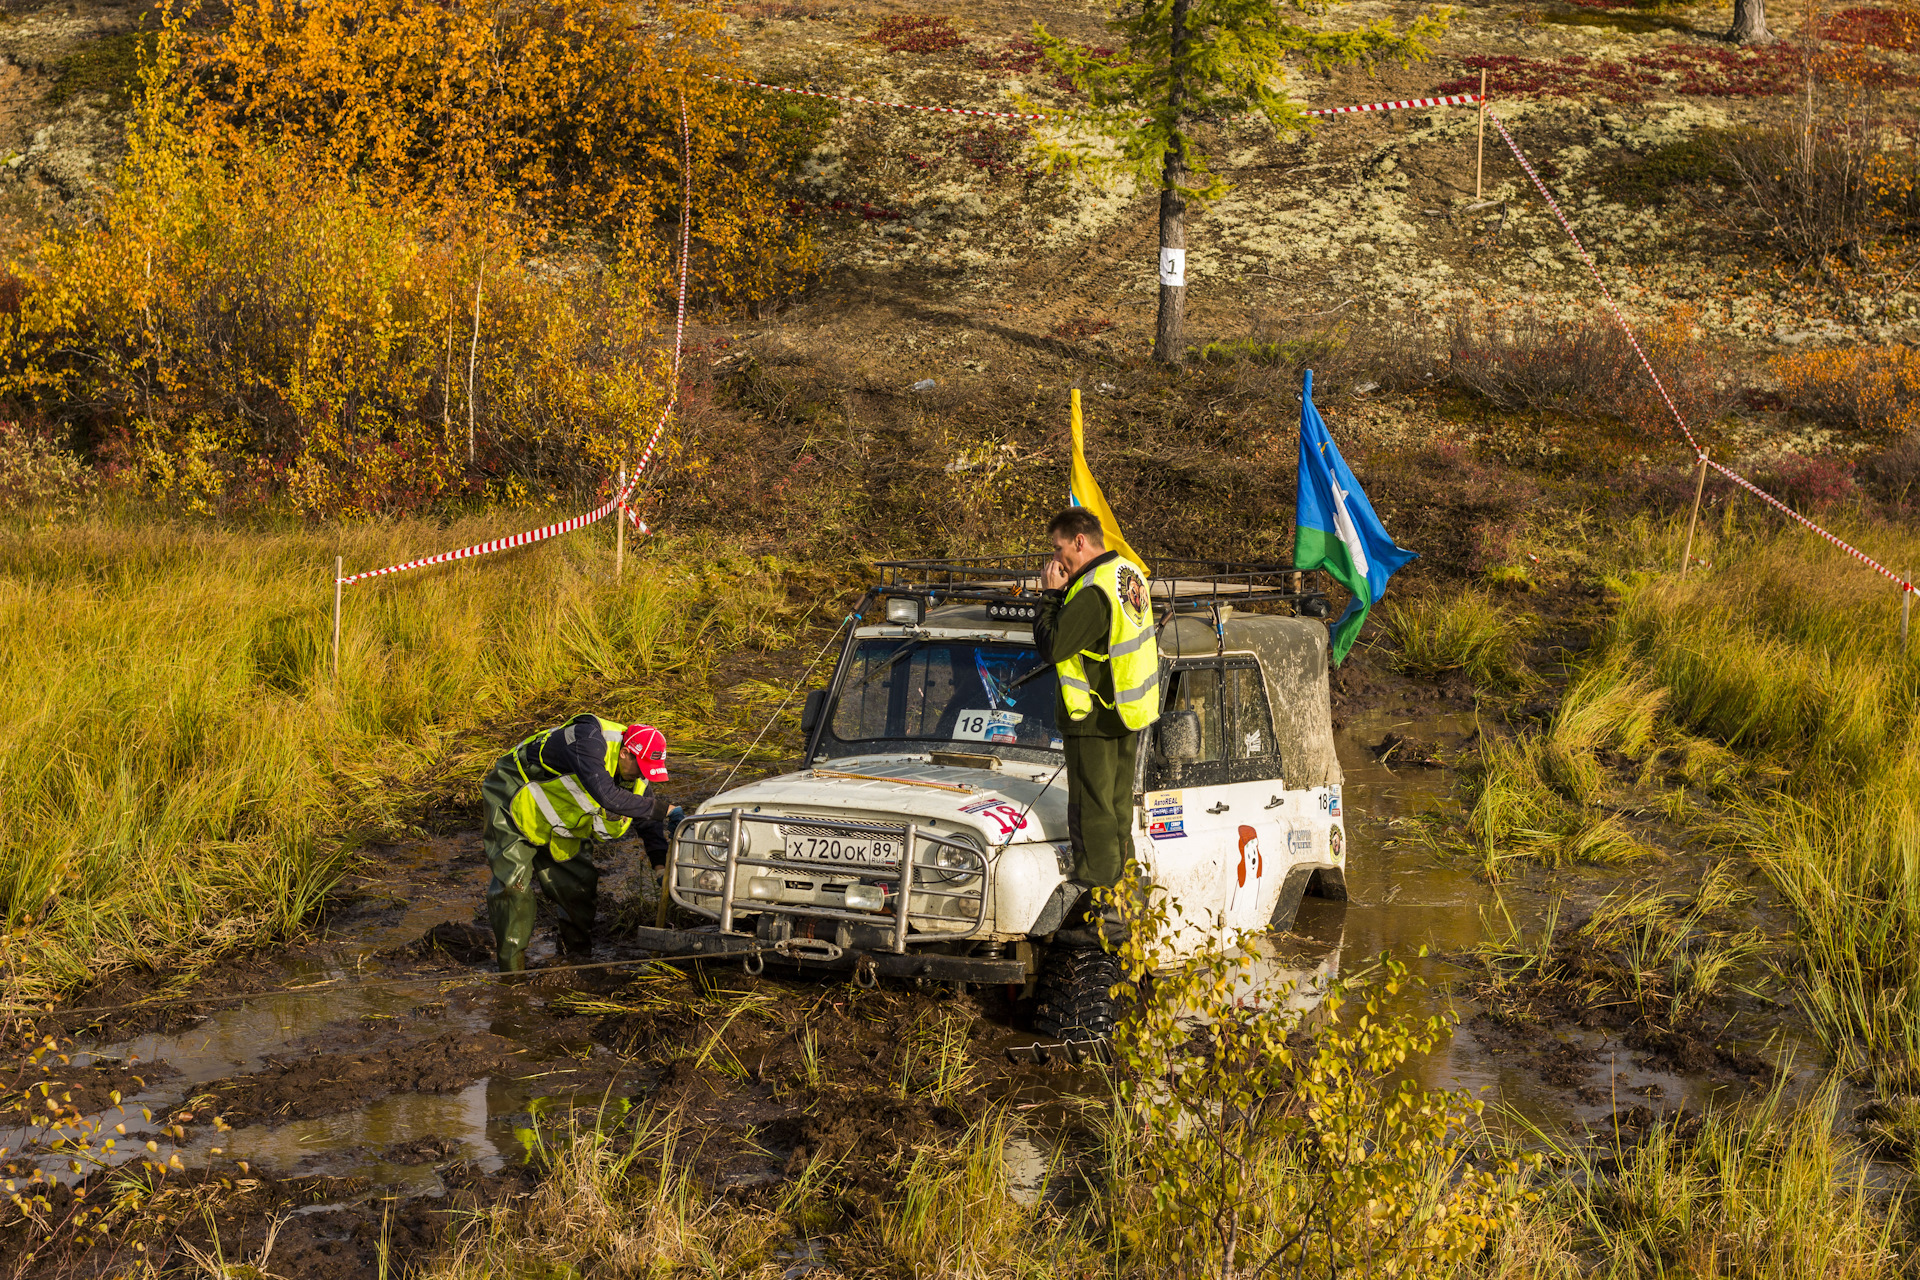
{"x":946,"y":691}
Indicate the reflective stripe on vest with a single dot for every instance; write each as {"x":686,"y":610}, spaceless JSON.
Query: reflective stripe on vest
{"x":552,"y":807}
{"x":1132,"y":655}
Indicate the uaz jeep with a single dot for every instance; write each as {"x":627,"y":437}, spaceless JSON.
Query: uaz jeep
{"x":927,"y":835}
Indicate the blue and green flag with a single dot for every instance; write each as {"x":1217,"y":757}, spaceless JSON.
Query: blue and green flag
{"x":1335,"y":528}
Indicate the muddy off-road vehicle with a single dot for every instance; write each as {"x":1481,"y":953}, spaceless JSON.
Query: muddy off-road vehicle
{"x":927,"y":835}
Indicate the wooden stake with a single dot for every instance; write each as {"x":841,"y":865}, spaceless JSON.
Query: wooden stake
{"x":1700,"y":484}
{"x":1906,"y":607}
{"x":1480,"y":156}
{"x":620,"y":531}
{"x":473,"y":354}
{"x":338,"y":561}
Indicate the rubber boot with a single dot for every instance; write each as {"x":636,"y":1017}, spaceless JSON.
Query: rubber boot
{"x":573,"y":888}
{"x":510,"y":905}
{"x":510,"y":911}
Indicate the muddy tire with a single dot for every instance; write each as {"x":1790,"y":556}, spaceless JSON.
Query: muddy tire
{"x":1074,"y":1000}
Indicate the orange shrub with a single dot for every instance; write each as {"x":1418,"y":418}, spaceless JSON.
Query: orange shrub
{"x":1865,"y":388}
{"x":278,"y":303}
{"x":566,"y":111}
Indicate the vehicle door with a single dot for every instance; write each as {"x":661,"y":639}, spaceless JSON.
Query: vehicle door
{"x":1211,"y":829}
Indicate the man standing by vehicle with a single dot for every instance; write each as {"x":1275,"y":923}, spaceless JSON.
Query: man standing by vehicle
{"x":1096,"y":626}
{"x":583,"y":780}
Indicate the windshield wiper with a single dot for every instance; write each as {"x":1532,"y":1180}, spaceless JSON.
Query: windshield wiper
{"x":887,"y":666}
{"x":1040,"y":670}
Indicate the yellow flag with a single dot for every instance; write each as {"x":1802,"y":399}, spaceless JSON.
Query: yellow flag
{"x":1084,"y":491}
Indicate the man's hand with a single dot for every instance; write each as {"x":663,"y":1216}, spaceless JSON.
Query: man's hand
{"x":1054,"y":576}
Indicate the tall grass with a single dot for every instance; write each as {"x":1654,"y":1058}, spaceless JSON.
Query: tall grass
{"x":1787,"y":649}
{"x":1767,"y":1188}
{"x":1469,"y":632}
{"x":1530,"y":795}
{"x":1789,"y":656}
{"x":625,"y":1202}
{"x":185,"y":775}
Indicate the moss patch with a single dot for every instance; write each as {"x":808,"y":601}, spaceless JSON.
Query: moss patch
{"x":1653,"y":179}
{"x":109,"y":67}
{"x":1638,"y":23}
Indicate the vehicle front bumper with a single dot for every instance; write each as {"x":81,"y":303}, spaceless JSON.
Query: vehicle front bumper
{"x":887,"y":964}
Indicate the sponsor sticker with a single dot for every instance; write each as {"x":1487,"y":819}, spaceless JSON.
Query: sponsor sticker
{"x":1167,"y":829}
{"x":1165,"y":804}
{"x":987,"y":726}
{"x":1299,"y":841}
{"x":995,"y":809}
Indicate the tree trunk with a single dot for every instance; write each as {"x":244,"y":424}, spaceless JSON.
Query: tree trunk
{"x":1750,"y":23}
{"x":1170,"y":333}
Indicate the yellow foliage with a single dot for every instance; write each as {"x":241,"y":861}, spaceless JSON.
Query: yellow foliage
{"x":280,"y":298}
{"x":566,"y":111}
{"x":1871,"y":388}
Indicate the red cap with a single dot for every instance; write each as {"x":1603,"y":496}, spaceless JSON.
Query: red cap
{"x":649,"y":746}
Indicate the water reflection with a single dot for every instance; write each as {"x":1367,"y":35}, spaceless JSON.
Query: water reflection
{"x":1404,"y":896}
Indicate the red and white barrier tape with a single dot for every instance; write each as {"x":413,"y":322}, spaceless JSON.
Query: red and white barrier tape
{"x":1456,"y":100}
{"x":1782,"y":507}
{"x":1619,"y":319}
{"x":619,"y":500}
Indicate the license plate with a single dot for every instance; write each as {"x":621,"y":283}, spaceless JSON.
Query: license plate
{"x":846,"y":850}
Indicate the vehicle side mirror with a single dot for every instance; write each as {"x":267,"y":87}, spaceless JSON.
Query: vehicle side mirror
{"x":811,"y":712}
{"x":1180,"y":736}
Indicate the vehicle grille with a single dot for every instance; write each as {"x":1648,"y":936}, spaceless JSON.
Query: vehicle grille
{"x":735,"y":863}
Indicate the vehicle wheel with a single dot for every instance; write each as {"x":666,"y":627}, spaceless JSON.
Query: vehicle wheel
{"x":1074,"y":1000}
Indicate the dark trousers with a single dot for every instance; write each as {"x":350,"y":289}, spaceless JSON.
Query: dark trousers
{"x":520,"y":869}
{"x":1100,"y":806}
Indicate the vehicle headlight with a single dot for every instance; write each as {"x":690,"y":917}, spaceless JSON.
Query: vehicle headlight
{"x":866,"y":897}
{"x":953,"y":865}
{"x":694,"y":835}
{"x":704,"y":881}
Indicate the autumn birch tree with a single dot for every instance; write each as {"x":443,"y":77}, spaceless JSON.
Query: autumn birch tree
{"x":1186,"y":61}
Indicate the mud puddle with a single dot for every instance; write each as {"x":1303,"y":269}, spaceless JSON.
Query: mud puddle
{"x":1563,"y":1076}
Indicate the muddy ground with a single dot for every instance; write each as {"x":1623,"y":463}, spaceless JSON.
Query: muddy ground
{"x":355,"y":1093}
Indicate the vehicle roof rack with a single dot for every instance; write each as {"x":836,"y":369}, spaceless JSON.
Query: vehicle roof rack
{"x":1178,"y":585}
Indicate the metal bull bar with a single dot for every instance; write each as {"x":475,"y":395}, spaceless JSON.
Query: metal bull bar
{"x":910,"y":879}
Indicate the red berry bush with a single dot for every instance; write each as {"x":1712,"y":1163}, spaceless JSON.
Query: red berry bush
{"x":917,"y":33}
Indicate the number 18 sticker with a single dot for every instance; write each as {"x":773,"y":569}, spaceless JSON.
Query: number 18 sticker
{"x":1005,"y":816}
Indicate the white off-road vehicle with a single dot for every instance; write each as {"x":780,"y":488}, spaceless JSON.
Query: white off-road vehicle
{"x":926,"y":835}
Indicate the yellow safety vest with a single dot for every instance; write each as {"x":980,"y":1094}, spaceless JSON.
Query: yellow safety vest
{"x":1131,"y":649}
{"x":552,"y":806}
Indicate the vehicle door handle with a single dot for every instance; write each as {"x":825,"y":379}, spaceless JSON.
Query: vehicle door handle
{"x":1276,"y":802}
{"x":1222,"y":807}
